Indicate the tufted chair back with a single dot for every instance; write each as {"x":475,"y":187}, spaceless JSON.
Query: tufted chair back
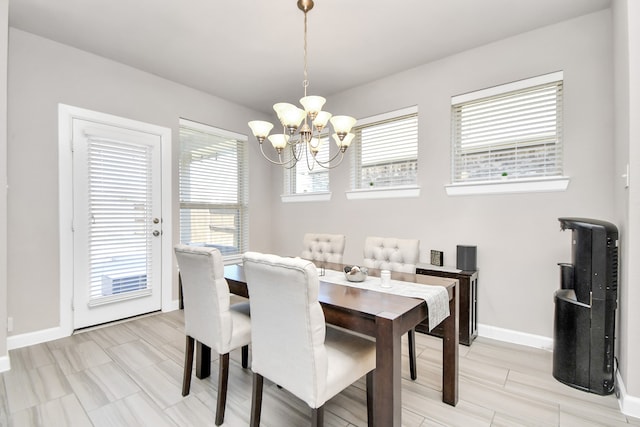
{"x":291,"y":345}
{"x":388,"y":253}
{"x":207,"y":315}
{"x":323,"y":247}
{"x":289,"y":327}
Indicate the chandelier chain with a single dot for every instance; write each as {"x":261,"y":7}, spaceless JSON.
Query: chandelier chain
{"x":305,"y":82}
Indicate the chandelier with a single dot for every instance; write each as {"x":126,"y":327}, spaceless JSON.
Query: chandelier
{"x":302,"y":128}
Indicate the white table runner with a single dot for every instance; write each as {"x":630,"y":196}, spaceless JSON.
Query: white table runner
{"x":436,"y":297}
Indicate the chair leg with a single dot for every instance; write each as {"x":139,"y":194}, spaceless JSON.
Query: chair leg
{"x":256,"y":400}
{"x":245,"y":356}
{"x":188,"y":365}
{"x":412,"y":354}
{"x":317,"y":417}
{"x":223,"y":379}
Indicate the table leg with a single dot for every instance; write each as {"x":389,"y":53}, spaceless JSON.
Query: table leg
{"x":203,"y":360}
{"x":387,"y":382}
{"x":450,"y":341}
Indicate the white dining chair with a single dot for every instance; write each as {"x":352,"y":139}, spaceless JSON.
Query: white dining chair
{"x":402,"y":255}
{"x":209,"y":318}
{"x":291,"y":344}
{"x":323,"y":247}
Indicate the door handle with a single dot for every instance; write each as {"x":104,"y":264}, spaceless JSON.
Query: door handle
{"x":156,"y":233}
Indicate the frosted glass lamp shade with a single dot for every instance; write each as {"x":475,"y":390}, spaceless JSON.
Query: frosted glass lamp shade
{"x":342,"y":124}
{"x":279,"y":140}
{"x":346,"y":141}
{"x":281,"y":106}
{"x":292,"y":117}
{"x":312,"y":104}
{"x":321,"y":120}
{"x":260,"y":129}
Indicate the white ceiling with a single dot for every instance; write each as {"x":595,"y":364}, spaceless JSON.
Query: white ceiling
{"x":251,"y":51}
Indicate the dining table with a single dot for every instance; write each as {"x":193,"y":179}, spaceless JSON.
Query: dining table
{"x":383,"y":316}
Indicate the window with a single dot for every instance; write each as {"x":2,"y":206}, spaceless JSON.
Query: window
{"x":213,"y":189}
{"x":386,"y":151}
{"x":300,"y":180}
{"x":513,"y":131}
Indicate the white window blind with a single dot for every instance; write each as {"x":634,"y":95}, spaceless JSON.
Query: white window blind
{"x":213,"y":189}
{"x":386,"y":151}
{"x":120,"y":202}
{"x":300,"y":180}
{"x":512,"y":134}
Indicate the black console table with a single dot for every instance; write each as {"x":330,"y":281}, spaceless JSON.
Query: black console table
{"x":468,"y":301}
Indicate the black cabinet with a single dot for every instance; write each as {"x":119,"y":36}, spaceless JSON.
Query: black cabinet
{"x":468,"y":294}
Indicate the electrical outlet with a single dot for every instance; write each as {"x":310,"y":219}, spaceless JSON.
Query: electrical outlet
{"x":9,"y":324}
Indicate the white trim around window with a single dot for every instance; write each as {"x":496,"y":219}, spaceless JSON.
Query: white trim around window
{"x":543,"y":184}
{"x":306,"y":197}
{"x":384,"y":193}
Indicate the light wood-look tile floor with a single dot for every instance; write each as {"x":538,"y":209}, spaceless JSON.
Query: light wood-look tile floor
{"x":130,"y":374}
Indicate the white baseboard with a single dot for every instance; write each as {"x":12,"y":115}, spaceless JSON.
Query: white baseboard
{"x":629,"y":405}
{"x":515,"y":337}
{"x":37,"y":337}
{"x":5,"y":363}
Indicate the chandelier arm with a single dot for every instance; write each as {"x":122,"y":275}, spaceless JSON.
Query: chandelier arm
{"x":313,"y":159}
{"x":280,"y":162}
{"x":291,"y":142}
{"x":328,"y":165}
{"x":296,"y":151}
{"x":293,"y":165}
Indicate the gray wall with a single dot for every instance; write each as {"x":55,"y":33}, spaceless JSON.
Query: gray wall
{"x":4,"y":37}
{"x":518,"y":235}
{"x":626,"y":21}
{"x":42,"y":74}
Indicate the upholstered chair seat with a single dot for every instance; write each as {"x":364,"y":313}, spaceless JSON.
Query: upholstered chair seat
{"x":323,"y":247}
{"x":209,"y":318}
{"x":291,"y":344}
{"x":402,"y":255}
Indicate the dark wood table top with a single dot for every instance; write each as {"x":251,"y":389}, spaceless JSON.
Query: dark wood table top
{"x":367,"y":303}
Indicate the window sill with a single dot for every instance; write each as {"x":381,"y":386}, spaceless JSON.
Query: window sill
{"x":306,"y":197}
{"x":384,"y":193}
{"x":509,"y":186}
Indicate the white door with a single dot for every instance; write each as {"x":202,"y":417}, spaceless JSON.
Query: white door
{"x":117,"y":222}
